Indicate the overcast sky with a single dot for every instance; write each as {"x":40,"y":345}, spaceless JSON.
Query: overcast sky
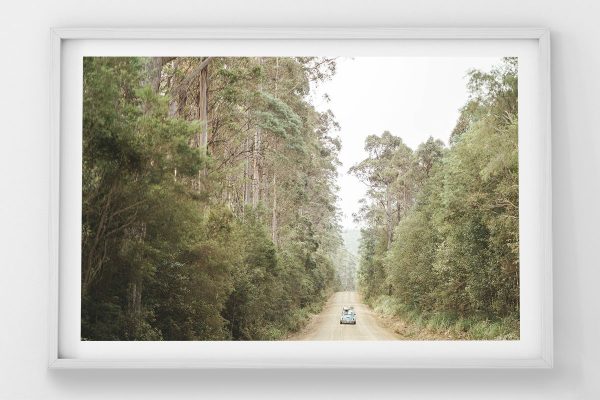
{"x":412,"y":97}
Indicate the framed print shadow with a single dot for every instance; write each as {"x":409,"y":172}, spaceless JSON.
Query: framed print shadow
{"x":300,"y":198}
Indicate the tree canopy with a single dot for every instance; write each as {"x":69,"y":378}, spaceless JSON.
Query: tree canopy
{"x":441,"y":223}
{"x":208,"y":197}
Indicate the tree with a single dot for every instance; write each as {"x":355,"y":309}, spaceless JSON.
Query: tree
{"x":386,"y":172}
{"x":209,"y":197}
{"x":455,"y":244}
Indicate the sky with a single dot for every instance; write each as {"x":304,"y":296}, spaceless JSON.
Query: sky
{"x":412,"y":97}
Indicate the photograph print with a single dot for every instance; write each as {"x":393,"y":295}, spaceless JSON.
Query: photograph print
{"x":300,"y":198}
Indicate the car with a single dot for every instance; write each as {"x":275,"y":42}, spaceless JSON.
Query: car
{"x":348,"y":316}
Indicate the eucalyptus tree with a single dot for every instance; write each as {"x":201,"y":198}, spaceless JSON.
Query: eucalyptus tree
{"x":209,"y":197}
{"x":454,"y":249}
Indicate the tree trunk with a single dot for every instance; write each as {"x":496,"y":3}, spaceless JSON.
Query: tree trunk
{"x":201,"y":137}
{"x":274,"y":217}
{"x":255,"y":159}
{"x":154,"y":69}
{"x":203,"y":108}
{"x":247,"y":175}
{"x":154,"y":73}
{"x":274,"y":211}
{"x":134,"y":306}
{"x":255,"y":169}
{"x":388,"y":215}
{"x":405,"y":204}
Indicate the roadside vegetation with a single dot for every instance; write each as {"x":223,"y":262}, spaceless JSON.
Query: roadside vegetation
{"x":208,"y":198}
{"x":413,"y":324}
{"x":440,"y":247}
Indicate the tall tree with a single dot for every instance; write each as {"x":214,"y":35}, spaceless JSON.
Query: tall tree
{"x":455,"y":245}
{"x":209,"y":192}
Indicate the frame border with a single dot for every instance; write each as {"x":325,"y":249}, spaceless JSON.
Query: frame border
{"x":58,"y":35}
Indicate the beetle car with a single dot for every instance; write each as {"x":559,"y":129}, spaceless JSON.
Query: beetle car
{"x":348,"y":316}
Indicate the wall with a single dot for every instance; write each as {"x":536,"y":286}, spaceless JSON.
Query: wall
{"x":24,"y":74}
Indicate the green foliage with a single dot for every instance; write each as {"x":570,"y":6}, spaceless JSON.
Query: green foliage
{"x":173,"y":245}
{"x":453,"y":255}
{"x":277,"y":117}
{"x":420,"y":325}
{"x":251,"y":311}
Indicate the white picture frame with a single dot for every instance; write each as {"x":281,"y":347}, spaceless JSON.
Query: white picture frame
{"x":533,"y":350}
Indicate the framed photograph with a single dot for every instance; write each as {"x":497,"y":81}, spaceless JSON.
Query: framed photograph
{"x":300,"y":198}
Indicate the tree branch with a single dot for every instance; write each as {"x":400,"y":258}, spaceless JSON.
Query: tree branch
{"x":195,"y":74}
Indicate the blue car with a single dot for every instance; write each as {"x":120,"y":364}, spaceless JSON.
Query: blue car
{"x":348,"y":316}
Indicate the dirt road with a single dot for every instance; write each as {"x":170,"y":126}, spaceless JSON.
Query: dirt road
{"x":326,"y":325}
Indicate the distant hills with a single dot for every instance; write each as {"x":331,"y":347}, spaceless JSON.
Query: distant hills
{"x":351,"y":240}
{"x":346,"y":261}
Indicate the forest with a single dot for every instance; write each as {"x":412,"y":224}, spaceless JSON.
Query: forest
{"x":210,"y":205}
{"x":209,"y":197}
{"x":440,"y":243}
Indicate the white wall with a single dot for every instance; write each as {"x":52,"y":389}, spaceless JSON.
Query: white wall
{"x":24,"y":52}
